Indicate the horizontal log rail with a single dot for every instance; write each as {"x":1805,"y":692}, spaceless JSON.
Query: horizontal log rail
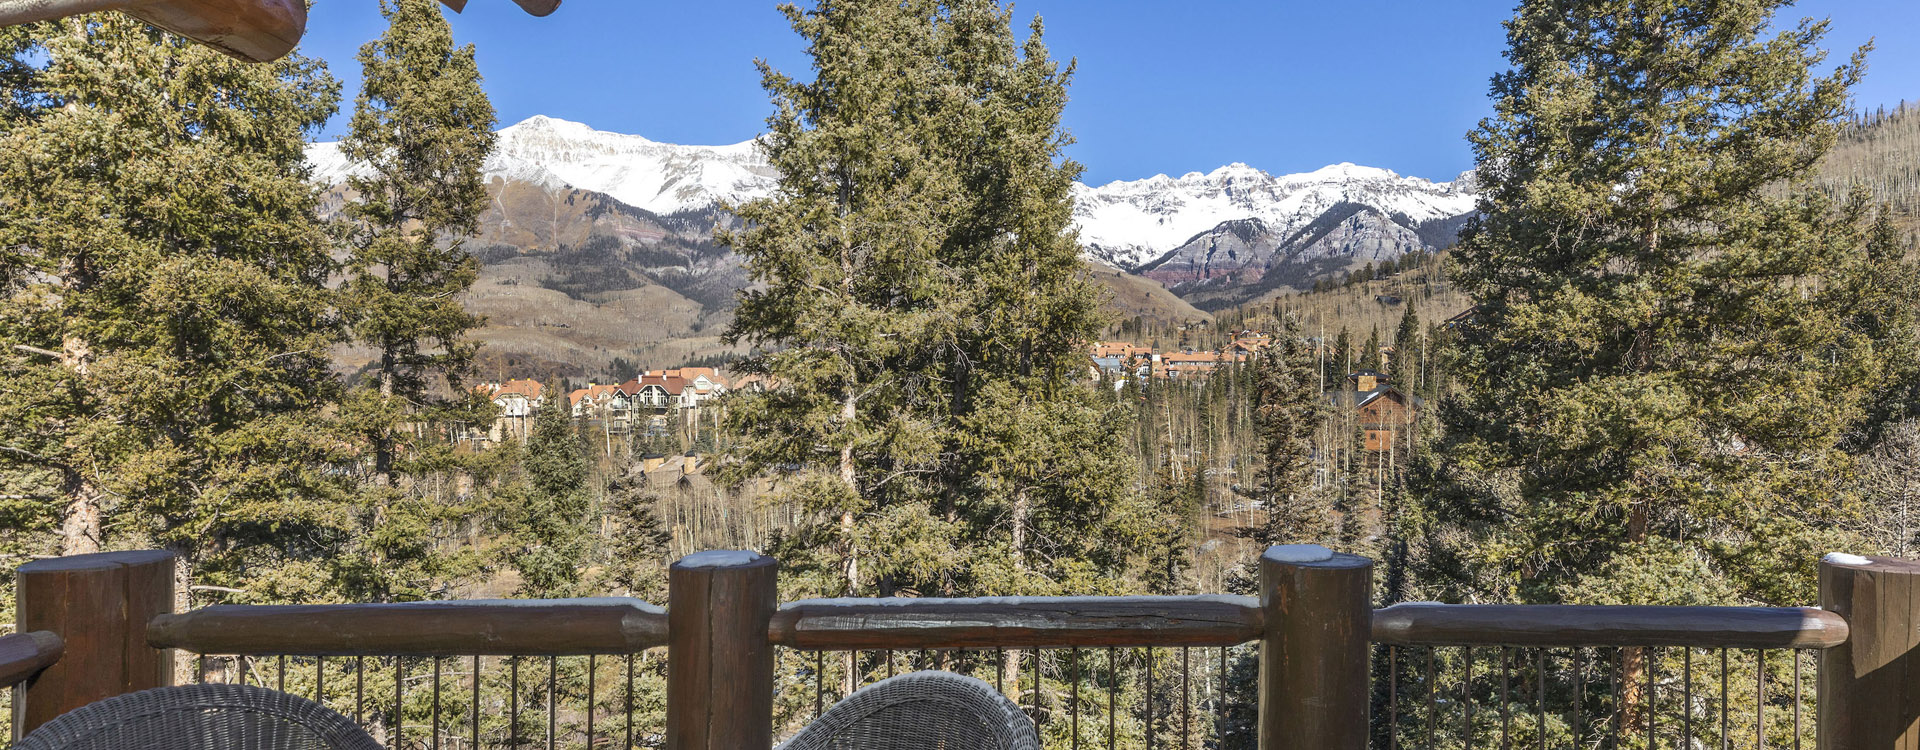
{"x":491,"y":627}
{"x":1016,"y":622}
{"x":1572,"y":626}
{"x":23,"y":655}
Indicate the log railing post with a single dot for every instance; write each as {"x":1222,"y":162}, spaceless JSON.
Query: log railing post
{"x":1870,"y":685}
{"x":719,"y":658}
{"x":100,"y":605}
{"x":1313,"y":655}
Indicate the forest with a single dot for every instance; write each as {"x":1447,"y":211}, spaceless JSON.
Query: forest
{"x":1661,"y":366}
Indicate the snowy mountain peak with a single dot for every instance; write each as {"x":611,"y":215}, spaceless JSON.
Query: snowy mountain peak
{"x":1126,"y":223}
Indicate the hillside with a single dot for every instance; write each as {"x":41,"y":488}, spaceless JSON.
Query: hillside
{"x":1881,"y":152}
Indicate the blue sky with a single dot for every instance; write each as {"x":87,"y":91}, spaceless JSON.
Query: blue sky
{"x":1163,"y":87}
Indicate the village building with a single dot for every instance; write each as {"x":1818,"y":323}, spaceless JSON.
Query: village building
{"x":1385,"y":414}
{"x":518,"y":400}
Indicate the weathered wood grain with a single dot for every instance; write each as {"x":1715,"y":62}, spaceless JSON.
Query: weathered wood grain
{"x":23,"y":655}
{"x":1016,"y":622}
{"x":528,"y":627}
{"x":1566,"y":625}
{"x":719,"y":663}
{"x":1870,"y":685}
{"x":99,"y":605}
{"x":1313,"y":656}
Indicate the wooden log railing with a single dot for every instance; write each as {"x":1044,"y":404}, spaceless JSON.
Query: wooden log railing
{"x":23,"y":655}
{"x":486,"y":627}
{"x":1311,"y":621}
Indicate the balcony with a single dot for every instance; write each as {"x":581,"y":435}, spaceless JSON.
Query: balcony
{"x":1306,"y":664}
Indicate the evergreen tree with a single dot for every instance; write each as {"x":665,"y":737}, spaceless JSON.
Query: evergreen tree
{"x":635,"y":562}
{"x":421,"y":129}
{"x":1663,"y":365}
{"x":923,"y":308}
{"x":1408,"y":340}
{"x":166,"y":314}
{"x":1287,"y":412}
{"x":547,"y":518}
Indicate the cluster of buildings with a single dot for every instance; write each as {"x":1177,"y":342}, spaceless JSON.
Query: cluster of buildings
{"x":1120,"y":359}
{"x":652,"y":403}
{"x":1384,"y":414}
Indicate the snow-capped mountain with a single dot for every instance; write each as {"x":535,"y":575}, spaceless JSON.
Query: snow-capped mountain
{"x":1135,"y":223}
{"x":663,"y":178}
{"x":1234,"y":227}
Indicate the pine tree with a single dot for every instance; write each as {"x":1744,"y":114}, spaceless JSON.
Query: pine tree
{"x":1408,"y":340}
{"x":1661,"y":371}
{"x":421,"y":129}
{"x":166,"y":314}
{"x":547,"y":518}
{"x":923,"y":305}
{"x":1287,"y":413}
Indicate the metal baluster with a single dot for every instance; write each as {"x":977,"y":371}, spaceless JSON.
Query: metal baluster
{"x":1000,"y":670}
{"x":1760,"y":699}
{"x":280,"y":679}
{"x":1540,"y":695}
{"x":1686,"y":697}
{"x":1466,"y":699}
{"x":553,"y":706}
{"x":1186,"y":700}
{"x":888,"y":655}
{"x":1506,"y":708}
{"x":320,"y":680}
{"x":1796,"y":698}
{"x":1653,"y":713}
{"x":399,"y":695}
{"x":1433,"y":712}
{"x":473,"y":709}
{"x":591,"y":673}
{"x":360,"y":690}
{"x":1220,"y":698}
{"x":819,"y":682}
{"x":1073,"y":700}
{"x":1725,"y":701}
{"x":1113,"y":689}
{"x":513,"y":701}
{"x":200,"y":669}
{"x":1036,"y":685}
{"x":630,"y":700}
{"x":1616,"y":669}
{"x":1393,"y":698}
{"x":1147,"y":701}
{"x":1580,"y":694}
{"x":436,"y":703}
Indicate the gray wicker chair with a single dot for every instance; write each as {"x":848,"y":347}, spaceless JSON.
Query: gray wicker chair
{"x":201,"y":717}
{"x":920,"y":711}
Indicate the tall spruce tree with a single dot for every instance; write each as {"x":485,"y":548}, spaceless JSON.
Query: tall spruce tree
{"x":1286,"y":416}
{"x":166,"y":317}
{"x":421,"y":129}
{"x":1664,"y":362}
{"x":547,"y":517}
{"x":923,"y":303}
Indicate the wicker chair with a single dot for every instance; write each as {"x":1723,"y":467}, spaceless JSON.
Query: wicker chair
{"x":921,"y":711}
{"x":196,"y":717}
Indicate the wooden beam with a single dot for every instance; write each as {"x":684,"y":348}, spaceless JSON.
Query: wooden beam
{"x":534,"y":627}
{"x":99,"y":604}
{"x":1313,"y":655}
{"x":719,"y":663}
{"x":1567,"y":626}
{"x":1016,"y":622}
{"x":1869,"y":686}
{"x":23,"y":655}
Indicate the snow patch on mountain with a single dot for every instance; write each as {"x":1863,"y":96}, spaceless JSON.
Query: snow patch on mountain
{"x":1133,"y":223}
{"x":1129,"y":224}
{"x":663,"y":178}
